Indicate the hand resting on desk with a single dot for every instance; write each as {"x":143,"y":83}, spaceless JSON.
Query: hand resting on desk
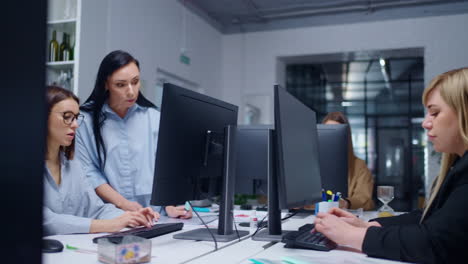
{"x":178,"y":211}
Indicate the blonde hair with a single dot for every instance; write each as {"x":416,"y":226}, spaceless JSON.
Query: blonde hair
{"x":453,"y":88}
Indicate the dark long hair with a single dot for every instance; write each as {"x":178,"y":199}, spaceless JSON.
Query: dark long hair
{"x":111,"y":63}
{"x":54,"y":95}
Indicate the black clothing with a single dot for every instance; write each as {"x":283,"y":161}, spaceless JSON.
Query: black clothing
{"x":442,"y":237}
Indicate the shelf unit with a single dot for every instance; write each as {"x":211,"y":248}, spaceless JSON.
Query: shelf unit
{"x":64,"y":17}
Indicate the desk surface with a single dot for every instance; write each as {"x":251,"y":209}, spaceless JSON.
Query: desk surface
{"x":165,"y":249}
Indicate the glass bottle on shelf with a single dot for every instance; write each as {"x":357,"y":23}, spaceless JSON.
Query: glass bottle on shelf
{"x":71,"y":46}
{"x":64,"y":49}
{"x":53,"y":48}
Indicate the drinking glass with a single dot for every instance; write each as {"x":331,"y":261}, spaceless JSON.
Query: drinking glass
{"x":385,"y":195}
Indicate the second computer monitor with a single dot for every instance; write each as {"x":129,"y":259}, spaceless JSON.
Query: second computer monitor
{"x":333,"y":149}
{"x":252,"y":145}
{"x":297,"y":153}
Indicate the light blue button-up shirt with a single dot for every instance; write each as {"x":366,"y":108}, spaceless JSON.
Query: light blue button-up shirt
{"x":131,"y":151}
{"x":71,"y":206}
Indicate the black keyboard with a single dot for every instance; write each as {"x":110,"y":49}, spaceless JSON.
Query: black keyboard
{"x":146,"y":232}
{"x":304,"y":238}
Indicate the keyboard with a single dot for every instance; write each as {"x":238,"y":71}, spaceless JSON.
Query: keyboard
{"x":305,"y":239}
{"x":146,"y":232}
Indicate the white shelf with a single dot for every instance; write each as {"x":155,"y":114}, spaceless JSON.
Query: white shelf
{"x":62,"y":21}
{"x":64,"y":17}
{"x":60,"y":63}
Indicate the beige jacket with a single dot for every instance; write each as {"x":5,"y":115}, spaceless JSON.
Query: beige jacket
{"x":360,"y":186}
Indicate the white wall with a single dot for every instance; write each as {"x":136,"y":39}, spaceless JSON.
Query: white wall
{"x":150,"y":30}
{"x":250,"y":66}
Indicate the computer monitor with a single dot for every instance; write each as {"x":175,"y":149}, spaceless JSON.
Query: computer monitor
{"x":295,"y":180}
{"x":333,"y":150}
{"x":195,"y":156}
{"x":252,"y":159}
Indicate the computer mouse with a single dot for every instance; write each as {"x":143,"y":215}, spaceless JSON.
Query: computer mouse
{"x":244,"y":224}
{"x":51,"y":246}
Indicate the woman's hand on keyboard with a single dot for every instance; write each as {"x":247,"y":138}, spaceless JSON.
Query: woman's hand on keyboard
{"x":348,"y":217}
{"x":142,"y":217}
{"x":149,"y":214}
{"x":351,"y":218}
{"x":339,"y":231}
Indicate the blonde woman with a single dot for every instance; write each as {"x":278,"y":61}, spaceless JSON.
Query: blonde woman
{"x":360,"y":180}
{"x":439,"y":233}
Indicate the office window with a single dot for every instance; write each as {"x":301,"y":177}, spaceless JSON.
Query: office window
{"x":381,"y":96}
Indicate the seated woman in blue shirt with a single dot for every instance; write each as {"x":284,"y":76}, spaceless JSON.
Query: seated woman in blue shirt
{"x":437,"y":234}
{"x":70,"y":204}
{"x":117,"y":141}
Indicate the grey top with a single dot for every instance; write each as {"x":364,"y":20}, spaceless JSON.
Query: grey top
{"x":70,"y":206}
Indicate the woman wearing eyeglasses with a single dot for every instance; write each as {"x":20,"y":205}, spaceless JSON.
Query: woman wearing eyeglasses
{"x":70,"y":204}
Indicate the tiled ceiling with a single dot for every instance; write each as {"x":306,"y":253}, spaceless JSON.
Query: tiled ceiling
{"x":233,"y":16}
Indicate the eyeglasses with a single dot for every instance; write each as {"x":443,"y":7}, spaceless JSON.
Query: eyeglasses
{"x":69,"y":117}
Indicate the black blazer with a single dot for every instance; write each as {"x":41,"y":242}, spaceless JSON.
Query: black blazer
{"x":443,"y":235}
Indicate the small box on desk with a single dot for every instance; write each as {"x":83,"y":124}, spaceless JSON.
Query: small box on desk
{"x":124,"y":249}
{"x":324,"y":207}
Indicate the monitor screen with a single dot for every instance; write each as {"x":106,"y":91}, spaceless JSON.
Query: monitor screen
{"x":189,"y":158}
{"x":252,"y":159}
{"x":333,"y":149}
{"x":195,"y":157}
{"x":298,"y":168}
{"x":295,"y":180}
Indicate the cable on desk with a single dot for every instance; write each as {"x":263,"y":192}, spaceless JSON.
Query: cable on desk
{"x":235,"y":226}
{"x":262,"y":225}
{"x":209,"y":230}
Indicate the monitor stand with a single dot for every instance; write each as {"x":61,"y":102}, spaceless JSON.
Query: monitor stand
{"x":225,"y":231}
{"x":274,"y":232}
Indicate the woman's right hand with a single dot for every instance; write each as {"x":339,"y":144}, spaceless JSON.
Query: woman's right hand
{"x":347,"y":217}
{"x":130,"y":206}
{"x":351,"y":218}
{"x":132,"y":219}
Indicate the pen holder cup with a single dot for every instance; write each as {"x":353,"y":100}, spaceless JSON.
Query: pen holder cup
{"x":324,"y":207}
{"x":123,"y":250}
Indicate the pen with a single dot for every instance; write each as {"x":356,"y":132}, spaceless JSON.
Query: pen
{"x":89,"y":251}
{"x":329,"y":193}
{"x":324,"y":196}
{"x":337,"y":196}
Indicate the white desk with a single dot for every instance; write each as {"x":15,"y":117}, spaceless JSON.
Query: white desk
{"x":243,"y":251}
{"x":167,"y":250}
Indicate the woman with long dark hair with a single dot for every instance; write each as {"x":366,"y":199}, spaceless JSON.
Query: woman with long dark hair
{"x":117,"y":141}
{"x":70,"y":204}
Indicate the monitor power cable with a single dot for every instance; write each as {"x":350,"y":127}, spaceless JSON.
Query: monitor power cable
{"x":209,"y":230}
